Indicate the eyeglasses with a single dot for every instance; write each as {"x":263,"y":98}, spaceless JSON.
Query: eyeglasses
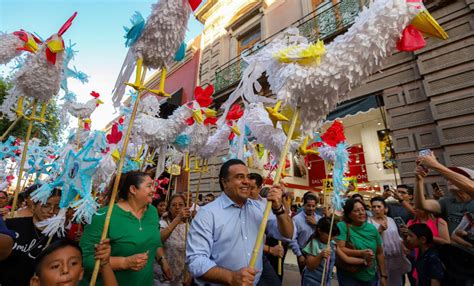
{"x":3,"y":198}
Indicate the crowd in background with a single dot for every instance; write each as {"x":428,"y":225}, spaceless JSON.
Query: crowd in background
{"x":401,"y":237}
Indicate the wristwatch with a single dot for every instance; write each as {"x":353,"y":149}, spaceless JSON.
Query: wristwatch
{"x":384,"y":275}
{"x":279,"y":210}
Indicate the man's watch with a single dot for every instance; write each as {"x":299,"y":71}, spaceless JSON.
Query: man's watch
{"x":279,"y":210}
{"x":384,"y":275}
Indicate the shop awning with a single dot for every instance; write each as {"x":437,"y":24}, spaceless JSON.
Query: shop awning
{"x":353,"y":107}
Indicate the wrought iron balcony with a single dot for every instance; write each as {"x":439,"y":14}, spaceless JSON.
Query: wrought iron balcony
{"x":324,"y":23}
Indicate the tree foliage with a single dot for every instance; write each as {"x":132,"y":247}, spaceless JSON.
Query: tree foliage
{"x":48,"y":132}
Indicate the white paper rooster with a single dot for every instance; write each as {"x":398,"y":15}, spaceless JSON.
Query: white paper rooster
{"x":154,"y":43}
{"x":14,"y":44}
{"x":83,"y":111}
{"x":315,"y":78}
{"x":39,"y":78}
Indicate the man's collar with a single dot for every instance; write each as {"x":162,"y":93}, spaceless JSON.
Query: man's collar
{"x":227,"y":202}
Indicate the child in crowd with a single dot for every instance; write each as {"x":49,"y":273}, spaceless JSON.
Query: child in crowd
{"x":61,"y":264}
{"x":428,"y":263}
{"x":318,"y":254}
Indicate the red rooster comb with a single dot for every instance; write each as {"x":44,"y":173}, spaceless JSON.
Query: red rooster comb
{"x":235,"y":112}
{"x":95,"y":94}
{"x":204,"y":96}
{"x":334,"y":135}
{"x":194,"y":4}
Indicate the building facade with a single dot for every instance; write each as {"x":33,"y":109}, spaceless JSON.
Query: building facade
{"x":422,"y":100}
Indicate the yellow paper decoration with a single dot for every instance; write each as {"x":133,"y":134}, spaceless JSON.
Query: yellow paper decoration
{"x":288,"y":112}
{"x":426,"y":24}
{"x":308,"y":56}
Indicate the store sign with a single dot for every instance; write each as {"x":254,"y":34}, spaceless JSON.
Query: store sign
{"x":328,"y":184}
{"x":318,"y":172}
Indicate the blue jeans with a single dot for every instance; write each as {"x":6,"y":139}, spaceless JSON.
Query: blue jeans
{"x":345,"y":280}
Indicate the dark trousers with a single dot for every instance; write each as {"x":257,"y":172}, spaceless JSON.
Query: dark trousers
{"x":269,"y":276}
{"x":274,"y":260}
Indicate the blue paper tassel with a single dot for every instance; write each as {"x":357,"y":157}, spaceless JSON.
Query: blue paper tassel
{"x":134,"y":32}
{"x":180,"y":53}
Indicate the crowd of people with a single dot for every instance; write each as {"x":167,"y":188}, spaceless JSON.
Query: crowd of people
{"x":398,"y":238}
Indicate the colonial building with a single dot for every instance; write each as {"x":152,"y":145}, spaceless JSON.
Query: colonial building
{"x":417,"y":101}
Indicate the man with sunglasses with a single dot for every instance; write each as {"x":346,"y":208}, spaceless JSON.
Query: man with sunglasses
{"x":19,"y":267}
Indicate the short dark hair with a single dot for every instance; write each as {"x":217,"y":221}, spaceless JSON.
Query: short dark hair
{"x":354,"y":196}
{"x":378,"y":199}
{"x":407,"y":187}
{"x":349,"y":207}
{"x":132,"y":178}
{"x":56,"y":245}
{"x":422,"y":230}
{"x":157,"y":201}
{"x":210,"y":195}
{"x":257,"y":178}
{"x":224,"y":171}
{"x":309,"y":197}
{"x":5,"y":193}
{"x":324,"y":225}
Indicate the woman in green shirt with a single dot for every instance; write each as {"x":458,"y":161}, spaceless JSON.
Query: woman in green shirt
{"x":134,"y":233}
{"x":367,"y":244}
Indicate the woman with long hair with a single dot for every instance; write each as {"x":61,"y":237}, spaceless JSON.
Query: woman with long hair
{"x":396,"y":262}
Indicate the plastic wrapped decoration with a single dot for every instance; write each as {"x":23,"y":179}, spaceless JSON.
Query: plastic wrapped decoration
{"x":348,"y":60}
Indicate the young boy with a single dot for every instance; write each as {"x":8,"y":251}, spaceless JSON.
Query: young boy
{"x":61,"y":264}
{"x":428,"y":264}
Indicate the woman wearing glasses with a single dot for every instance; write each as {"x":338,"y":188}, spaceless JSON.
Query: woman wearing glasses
{"x":18,"y":268}
{"x":359,"y":239}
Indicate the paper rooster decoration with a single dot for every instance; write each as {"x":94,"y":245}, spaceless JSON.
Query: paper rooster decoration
{"x":14,"y":44}
{"x":40,"y":76}
{"x":153,"y":43}
{"x":327,"y":74}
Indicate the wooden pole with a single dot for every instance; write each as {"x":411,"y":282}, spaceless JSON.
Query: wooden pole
{"x":198,"y":188}
{"x":280,"y":260}
{"x":23,"y":158}
{"x":188,"y":198}
{"x":14,"y":123}
{"x":281,"y":167}
{"x":119,"y":171}
{"x":328,"y":247}
{"x":169,"y":188}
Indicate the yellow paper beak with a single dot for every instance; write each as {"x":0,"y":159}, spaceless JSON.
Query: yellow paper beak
{"x":55,"y":46}
{"x":98,"y":101}
{"x":116,"y":155}
{"x":210,"y":112}
{"x":426,"y":24}
{"x":31,"y":45}
{"x":235,"y":129}
{"x":87,"y":120}
{"x":197,"y":116}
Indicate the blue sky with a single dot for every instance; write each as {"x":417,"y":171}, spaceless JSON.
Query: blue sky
{"x":97,"y":32}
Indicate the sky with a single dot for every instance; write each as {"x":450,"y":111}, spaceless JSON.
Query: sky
{"x":98,"y":33}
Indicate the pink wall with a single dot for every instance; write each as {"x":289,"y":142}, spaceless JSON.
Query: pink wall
{"x":184,"y":77}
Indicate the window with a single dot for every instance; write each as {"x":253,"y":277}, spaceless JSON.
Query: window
{"x":249,"y":39}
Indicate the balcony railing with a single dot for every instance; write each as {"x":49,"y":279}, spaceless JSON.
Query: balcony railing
{"x":324,"y":23}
